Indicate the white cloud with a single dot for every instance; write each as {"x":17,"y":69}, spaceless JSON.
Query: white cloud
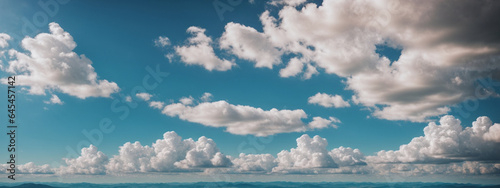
{"x":51,"y":64}
{"x":445,"y":149}
{"x":447,"y":142}
{"x":3,"y":40}
{"x":156,"y":104}
{"x":31,"y":168}
{"x":437,"y":50}
{"x":346,"y":156}
{"x":171,"y":153}
{"x":128,"y":98}
{"x":328,"y":101}
{"x":91,"y":161}
{"x":254,"y":163}
{"x":287,"y":2}
{"x":162,"y":41}
{"x":131,"y":158}
{"x":54,"y":100}
{"x":200,"y":52}
{"x":461,"y":168}
{"x":144,"y":96}
{"x":207,"y":97}
{"x":247,"y":43}
{"x":493,"y":133}
{"x":310,"y":153}
{"x":320,"y":123}
{"x":294,"y":67}
{"x":240,"y":119}
{"x":187,"y":100}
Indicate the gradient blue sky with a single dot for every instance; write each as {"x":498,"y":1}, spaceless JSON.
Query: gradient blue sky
{"x":118,"y":37}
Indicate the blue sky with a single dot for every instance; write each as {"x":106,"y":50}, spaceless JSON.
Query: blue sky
{"x":119,"y":39}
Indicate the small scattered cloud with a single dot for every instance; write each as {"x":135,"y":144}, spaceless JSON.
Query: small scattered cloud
{"x":207,"y":97}
{"x":162,"y":41}
{"x":54,"y":100}
{"x":4,"y":38}
{"x":187,"y":100}
{"x":156,"y":104}
{"x":328,"y":101}
{"x":128,"y":98}
{"x":144,"y":96}
{"x":320,"y":123}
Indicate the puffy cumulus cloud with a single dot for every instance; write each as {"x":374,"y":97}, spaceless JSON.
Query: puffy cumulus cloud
{"x":310,"y":154}
{"x":162,"y":41}
{"x":132,"y":157}
{"x":247,"y":43}
{"x":32,"y":168}
{"x":447,"y":142}
{"x":328,"y":101}
{"x":28,"y":168}
{"x":51,"y":64}
{"x":174,"y":154}
{"x":199,"y":51}
{"x":91,"y":161}
{"x":54,"y":100}
{"x":254,"y":163}
{"x":156,"y":104}
{"x":144,"y":96}
{"x":4,"y":38}
{"x":169,"y":154}
{"x":439,"y":43}
{"x":239,"y":119}
{"x":346,"y":156}
{"x":320,"y":123}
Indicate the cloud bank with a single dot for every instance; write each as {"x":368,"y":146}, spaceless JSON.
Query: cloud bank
{"x":446,"y":148}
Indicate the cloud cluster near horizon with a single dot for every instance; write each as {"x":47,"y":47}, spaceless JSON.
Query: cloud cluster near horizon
{"x":439,"y":48}
{"x":445,"y":148}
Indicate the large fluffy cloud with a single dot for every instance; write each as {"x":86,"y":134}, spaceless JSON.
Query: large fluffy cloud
{"x":199,"y":51}
{"x":448,"y":142}
{"x":439,"y":41}
{"x":91,"y":161}
{"x":438,"y":49}
{"x":311,"y":156}
{"x":171,"y":153}
{"x":51,"y":64}
{"x":246,"y":43}
{"x":310,"y":153}
{"x":242,"y":120}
